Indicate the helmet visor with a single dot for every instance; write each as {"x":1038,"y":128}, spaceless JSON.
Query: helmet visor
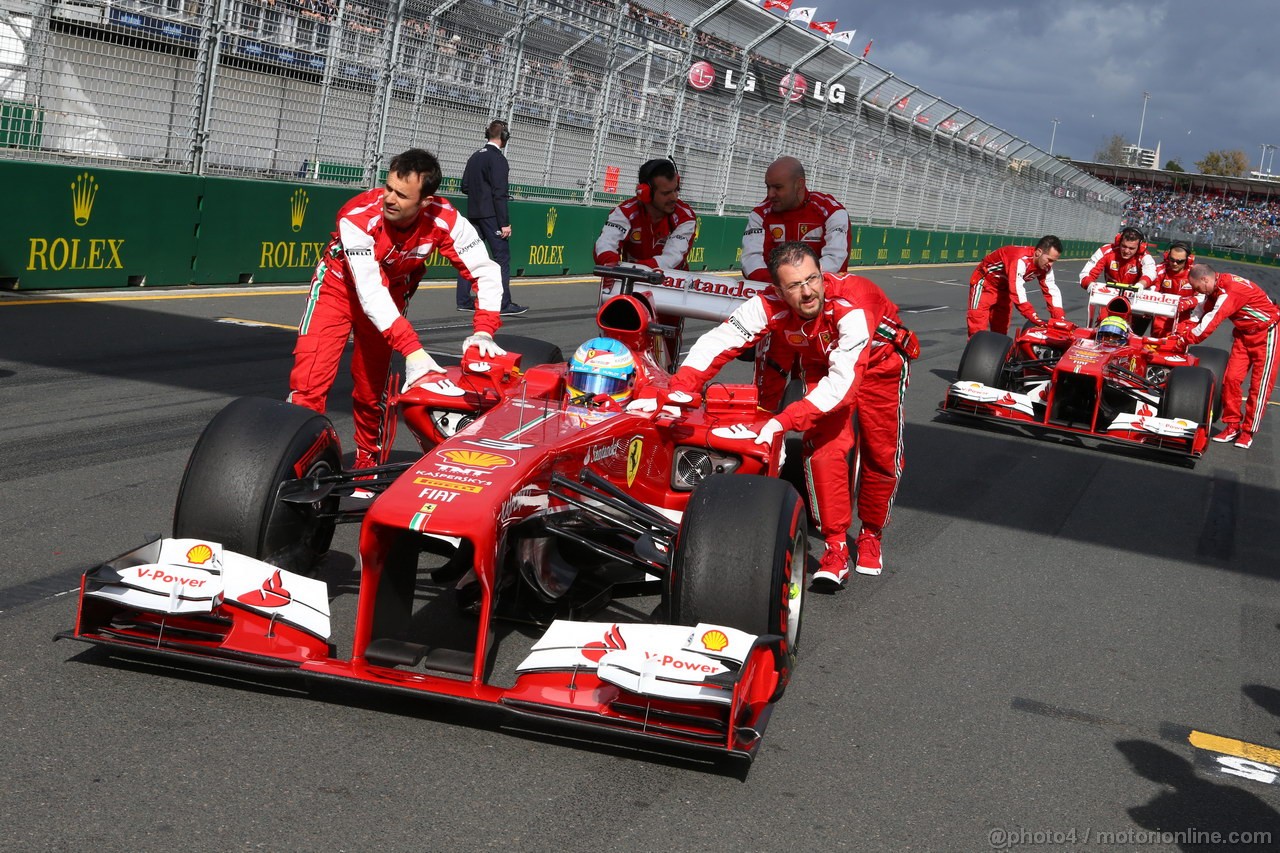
{"x":593,"y":384}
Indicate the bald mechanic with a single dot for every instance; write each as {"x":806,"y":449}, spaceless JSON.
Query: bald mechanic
{"x":791,"y":211}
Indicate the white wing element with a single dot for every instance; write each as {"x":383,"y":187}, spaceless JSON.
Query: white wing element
{"x":1171,"y":427}
{"x":671,"y":661}
{"x":197,"y":576}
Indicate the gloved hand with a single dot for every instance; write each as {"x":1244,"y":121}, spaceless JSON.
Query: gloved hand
{"x":1176,"y":343}
{"x":766,"y":433}
{"x":642,"y":405}
{"x":679,"y":398}
{"x":1037,"y":320}
{"x":418,"y":364}
{"x":483,"y":342}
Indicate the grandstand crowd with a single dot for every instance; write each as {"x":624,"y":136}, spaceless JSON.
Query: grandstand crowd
{"x":1205,"y":217}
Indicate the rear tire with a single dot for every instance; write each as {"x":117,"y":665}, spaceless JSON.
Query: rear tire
{"x":533,"y":351}
{"x":1216,"y":361}
{"x":1188,"y":394}
{"x":740,"y":558}
{"x":228,"y":492}
{"x":984,"y":359}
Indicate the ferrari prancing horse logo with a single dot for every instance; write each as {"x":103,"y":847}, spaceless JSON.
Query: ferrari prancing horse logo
{"x":634,"y":451}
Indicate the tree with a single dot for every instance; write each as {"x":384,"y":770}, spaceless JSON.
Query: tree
{"x":1112,"y":151}
{"x":1173,"y":166}
{"x":1228,"y":164}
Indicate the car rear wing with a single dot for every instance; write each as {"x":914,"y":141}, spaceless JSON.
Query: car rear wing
{"x":1148,"y":302}
{"x":680,"y":293}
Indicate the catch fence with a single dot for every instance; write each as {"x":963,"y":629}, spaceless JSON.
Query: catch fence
{"x":328,"y":90}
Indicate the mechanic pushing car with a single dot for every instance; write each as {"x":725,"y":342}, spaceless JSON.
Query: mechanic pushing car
{"x":1173,"y":275}
{"x":999,"y":283}
{"x":654,"y":228}
{"x":854,"y":358}
{"x":1253,"y":346}
{"x":362,"y":284}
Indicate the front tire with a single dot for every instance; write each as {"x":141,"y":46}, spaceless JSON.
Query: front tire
{"x":230,"y":487}
{"x":533,"y":351}
{"x":984,"y":359}
{"x":1188,"y":394}
{"x":740,"y":558}
{"x":1216,"y":361}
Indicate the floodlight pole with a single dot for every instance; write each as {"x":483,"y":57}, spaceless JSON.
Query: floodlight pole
{"x":1053,"y":136}
{"x":1146,"y":96}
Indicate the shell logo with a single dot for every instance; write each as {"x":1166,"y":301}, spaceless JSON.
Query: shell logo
{"x":715,"y":641}
{"x":478,"y":458}
{"x":199,"y":554}
{"x":776,"y":232}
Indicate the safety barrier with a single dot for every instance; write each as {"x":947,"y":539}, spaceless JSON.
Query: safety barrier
{"x":115,"y":228}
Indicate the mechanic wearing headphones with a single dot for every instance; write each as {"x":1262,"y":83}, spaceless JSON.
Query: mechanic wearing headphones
{"x":654,"y":228}
{"x":1123,"y":262}
{"x":854,"y":356}
{"x":484,"y":180}
{"x":1253,"y":346}
{"x":362,"y":285}
{"x":792,"y":212}
{"x":999,"y":283}
{"x":1173,"y":276}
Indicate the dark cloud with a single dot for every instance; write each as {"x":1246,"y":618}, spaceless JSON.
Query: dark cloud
{"x":1211,"y":70}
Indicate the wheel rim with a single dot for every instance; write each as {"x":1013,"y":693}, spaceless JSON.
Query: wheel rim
{"x":793,"y":593}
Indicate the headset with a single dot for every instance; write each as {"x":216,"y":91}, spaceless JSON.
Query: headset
{"x":1179,"y":244}
{"x":644,"y":189}
{"x":1142,"y":239}
{"x":498,"y":127}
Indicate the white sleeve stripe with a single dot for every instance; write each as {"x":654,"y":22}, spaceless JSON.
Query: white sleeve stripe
{"x":750,"y":319}
{"x":677,"y":246}
{"x":834,"y":387}
{"x":1019,"y":277}
{"x":371,"y":290}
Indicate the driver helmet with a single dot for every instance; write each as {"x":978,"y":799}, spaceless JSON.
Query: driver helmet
{"x":602,"y":366}
{"x":1113,"y":330}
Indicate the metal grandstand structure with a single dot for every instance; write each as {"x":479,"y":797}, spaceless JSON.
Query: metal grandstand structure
{"x":329,"y":89}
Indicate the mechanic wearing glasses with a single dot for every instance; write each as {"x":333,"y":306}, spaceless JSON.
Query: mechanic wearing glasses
{"x":362,"y":286}
{"x":999,"y":283}
{"x":1253,"y":346}
{"x":853,"y":356}
{"x":1173,"y":276}
{"x":1124,"y":262}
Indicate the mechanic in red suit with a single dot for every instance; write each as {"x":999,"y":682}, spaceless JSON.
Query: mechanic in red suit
{"x":654,"y":228}
{"x":1173,"y":276}
{"x":999,"y":283}
{"x":853,"y":355}
{"x":1124,"y":262}
{"x":362,"y":285}
{"x":792,"y":212}
{"x":1253,"y":346}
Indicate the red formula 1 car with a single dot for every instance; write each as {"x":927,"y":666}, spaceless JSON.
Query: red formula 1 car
{"x":1134,"y":390}
{"x":527,"y":507}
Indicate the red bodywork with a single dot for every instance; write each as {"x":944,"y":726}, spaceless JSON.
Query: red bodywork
{"x":476,"y":486}
{"x":1059,"y":377}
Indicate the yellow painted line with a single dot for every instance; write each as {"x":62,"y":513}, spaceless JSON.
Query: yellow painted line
{"x":1238,"y":748}
{"x":223,"y":293}
{"x":235,"y":321}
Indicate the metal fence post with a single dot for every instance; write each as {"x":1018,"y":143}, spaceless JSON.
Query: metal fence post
{"x":206,"y":77}
{"x":602,"y":109}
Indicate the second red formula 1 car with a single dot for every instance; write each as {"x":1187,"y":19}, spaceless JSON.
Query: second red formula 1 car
{"x":1101,"y":382}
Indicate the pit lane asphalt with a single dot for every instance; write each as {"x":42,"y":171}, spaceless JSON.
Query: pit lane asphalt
{"x":1053,"y":623}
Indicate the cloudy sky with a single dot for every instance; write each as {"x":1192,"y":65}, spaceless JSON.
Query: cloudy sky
{"x":1213,"y":69}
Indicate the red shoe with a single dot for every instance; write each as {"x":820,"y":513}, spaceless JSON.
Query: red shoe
{"x":869,"y":559}
{"x":1245,"y":441}
{"x":833,"y":571}
{"x":1230,"y":432}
